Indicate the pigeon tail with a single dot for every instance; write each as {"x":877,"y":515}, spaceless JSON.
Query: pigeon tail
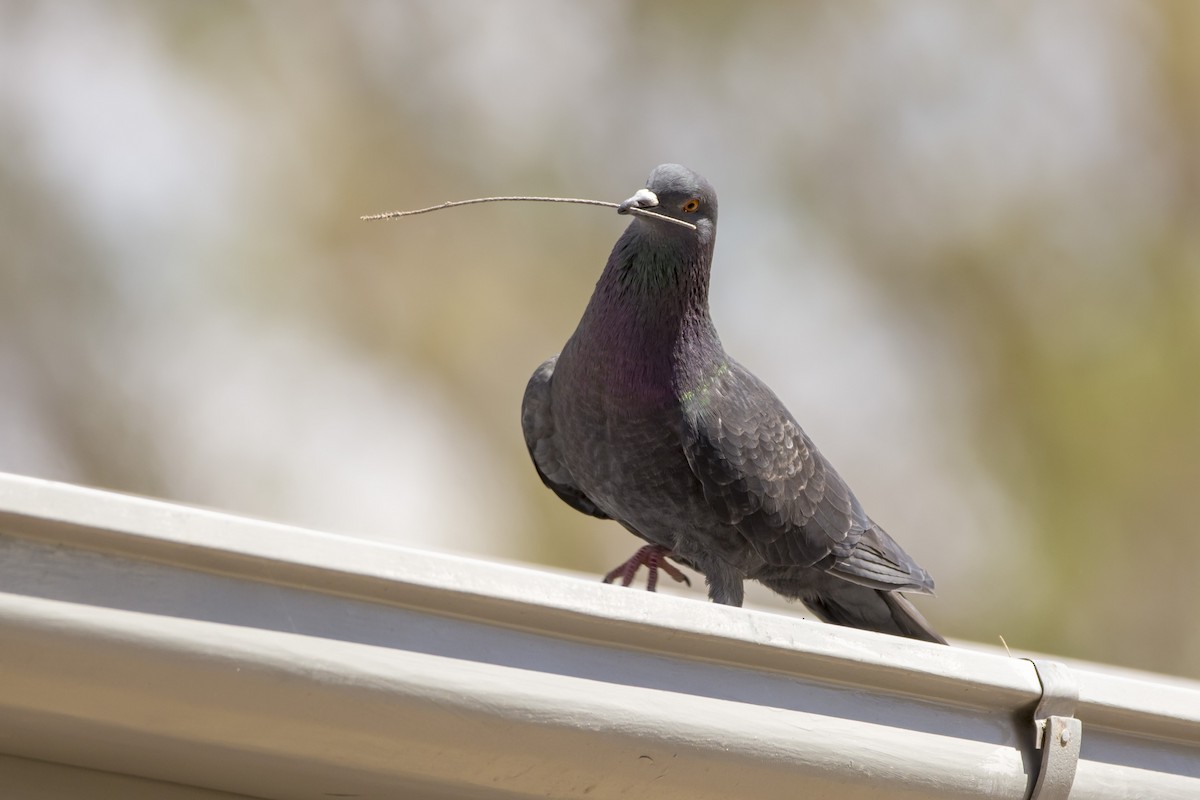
{"x":910,"y":621}
{"x":841,"y":602}
{"x":874,"y":610}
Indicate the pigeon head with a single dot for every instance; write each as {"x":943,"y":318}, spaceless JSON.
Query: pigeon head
{"x":651,"y":302}
{"x":675,"y":191}
{"x":664,"y":263}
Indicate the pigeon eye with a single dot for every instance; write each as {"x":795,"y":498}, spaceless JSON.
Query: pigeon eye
{"x":691,"y":205}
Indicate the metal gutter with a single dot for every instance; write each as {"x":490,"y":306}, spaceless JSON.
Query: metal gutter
{"x":222,"y":654}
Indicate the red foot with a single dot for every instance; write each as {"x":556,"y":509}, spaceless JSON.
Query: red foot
{"x":653,"y":557}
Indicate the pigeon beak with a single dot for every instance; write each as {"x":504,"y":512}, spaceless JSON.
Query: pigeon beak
{"x":643,"y":199}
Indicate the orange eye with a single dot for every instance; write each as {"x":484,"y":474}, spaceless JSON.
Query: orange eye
{"x":691,"y":205}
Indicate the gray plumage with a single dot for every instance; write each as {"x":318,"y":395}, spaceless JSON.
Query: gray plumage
{"x":644,"y":419}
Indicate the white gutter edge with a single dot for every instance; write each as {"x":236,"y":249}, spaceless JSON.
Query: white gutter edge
{"x":199,"y":695}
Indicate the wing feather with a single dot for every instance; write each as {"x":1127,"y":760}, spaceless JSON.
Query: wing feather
{"x":537,"y":424}
{"x":762,"y":473}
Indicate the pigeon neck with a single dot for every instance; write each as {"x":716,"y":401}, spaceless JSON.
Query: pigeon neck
{"x":649,"y":313}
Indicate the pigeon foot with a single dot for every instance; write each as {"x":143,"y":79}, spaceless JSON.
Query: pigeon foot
{"x":653,"y":557}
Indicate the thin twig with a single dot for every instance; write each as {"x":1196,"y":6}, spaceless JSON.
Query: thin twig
{"x":453,"y":203}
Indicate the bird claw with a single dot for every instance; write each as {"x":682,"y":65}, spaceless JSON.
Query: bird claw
{"x":653,"y":557}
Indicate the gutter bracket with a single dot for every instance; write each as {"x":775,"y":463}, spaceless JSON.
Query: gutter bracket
{"x":1057,"y":733}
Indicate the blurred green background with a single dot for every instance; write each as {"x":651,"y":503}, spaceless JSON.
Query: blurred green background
{"x":961,"y":241}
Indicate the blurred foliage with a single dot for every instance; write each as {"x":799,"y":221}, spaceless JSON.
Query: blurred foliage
{"x":1006,"y":195}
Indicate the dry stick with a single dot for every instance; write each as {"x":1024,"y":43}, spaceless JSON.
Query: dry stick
{"x":452,"y":203}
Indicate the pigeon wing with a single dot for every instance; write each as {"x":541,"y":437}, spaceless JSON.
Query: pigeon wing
{"x":537,"y":423}
{"x":761,"y":473}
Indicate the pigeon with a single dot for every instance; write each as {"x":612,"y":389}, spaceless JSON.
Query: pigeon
{"x":644,"y":419}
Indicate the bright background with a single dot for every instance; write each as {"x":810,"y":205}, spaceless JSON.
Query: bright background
{"x":962,"y":241}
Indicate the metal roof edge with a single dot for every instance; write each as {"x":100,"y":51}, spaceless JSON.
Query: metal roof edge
{"x":574,"y":612}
